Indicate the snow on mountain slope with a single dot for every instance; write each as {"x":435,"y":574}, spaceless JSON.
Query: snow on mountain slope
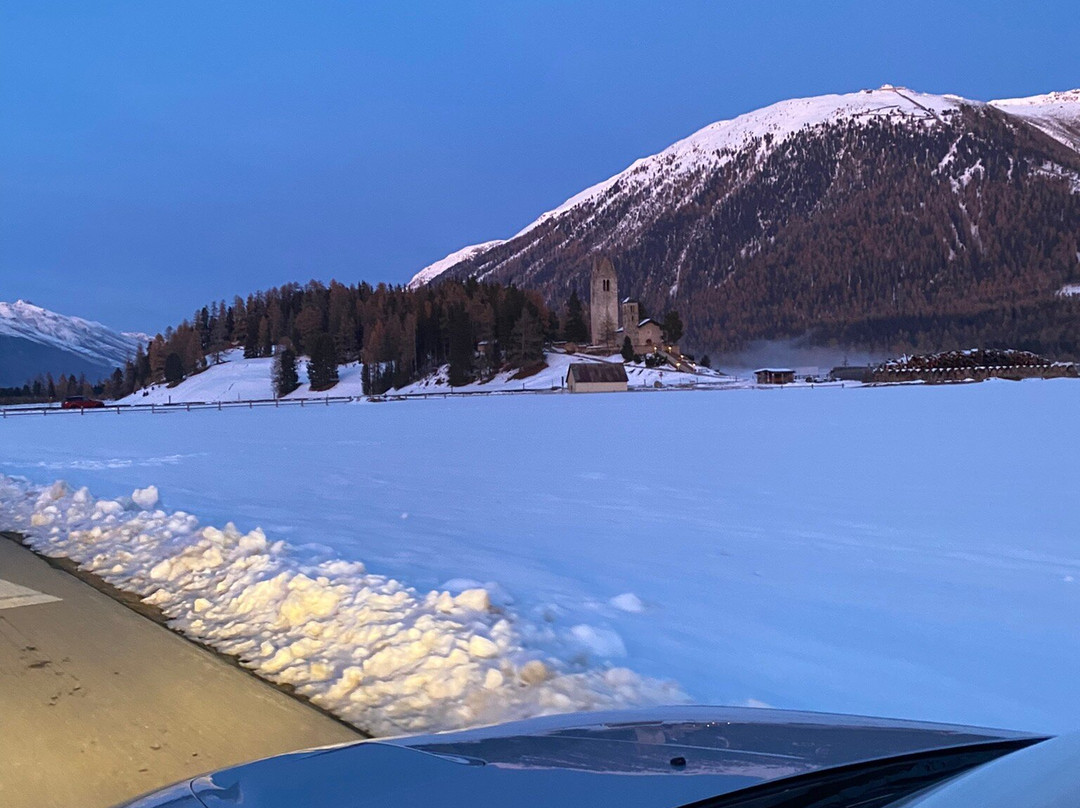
{"x":87,"y":339}
{"x":432,"y":271}
{"x":716,"y":144}
{"x":1057,"y":114}
{"x":671,"y":177}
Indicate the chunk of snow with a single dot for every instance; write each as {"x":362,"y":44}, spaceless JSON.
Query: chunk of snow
{"x":482,"y":648}
{"x":602,"y":642}
{"x":145,"y":498}
{"x":473,"y":600}
{"x":628,"y":602}
{"x":534,"y":672}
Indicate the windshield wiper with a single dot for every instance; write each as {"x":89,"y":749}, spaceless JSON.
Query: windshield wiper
{"x":869,"y":784}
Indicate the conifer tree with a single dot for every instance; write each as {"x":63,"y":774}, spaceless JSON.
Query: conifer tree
{"x":202,"y":327}
{"x":116,"y":385}
{"x":156,"y":358}
{"x":252,"y":348}
{"x":219,"y":335}
{"x":265,"y":340}
{"x":575,"y":329}
{"x":286,"y":379}
{"x":527,"y":339}
{"x":174,"y":369}
{"x":322,"y":365}
{"x":672,"y":327}
{"x":462,"y":346}
{"x":365,"y":379}
{"x":627,"y":350}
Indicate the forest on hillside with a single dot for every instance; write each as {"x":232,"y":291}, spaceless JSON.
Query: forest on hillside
{"x":399,"y":334}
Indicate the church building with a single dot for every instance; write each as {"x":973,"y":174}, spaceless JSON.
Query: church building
{"x":645,"y":334}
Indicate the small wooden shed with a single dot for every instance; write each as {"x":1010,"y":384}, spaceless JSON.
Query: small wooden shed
{"x":775,"y":375}
{"x":851,"y":373}
{"x":596,"y":377}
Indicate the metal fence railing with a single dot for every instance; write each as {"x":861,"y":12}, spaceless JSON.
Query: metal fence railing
{"x":184,"y":406}
{"x":310,"y":401}
{"x":51,"y":410}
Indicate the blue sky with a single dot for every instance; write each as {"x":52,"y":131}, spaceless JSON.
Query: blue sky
{"x":156,"y":156}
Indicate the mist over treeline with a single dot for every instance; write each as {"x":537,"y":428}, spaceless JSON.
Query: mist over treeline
{"x":797,"y":353}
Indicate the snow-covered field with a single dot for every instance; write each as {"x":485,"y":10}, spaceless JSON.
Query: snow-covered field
{"x":906,"y":551}
{"x":239,"y":379}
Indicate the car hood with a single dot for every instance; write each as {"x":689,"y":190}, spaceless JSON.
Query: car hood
{"x":650,"y":758}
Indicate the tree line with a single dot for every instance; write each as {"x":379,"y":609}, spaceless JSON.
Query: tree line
{"x":44,"y":388}
{"x":399,"y":334}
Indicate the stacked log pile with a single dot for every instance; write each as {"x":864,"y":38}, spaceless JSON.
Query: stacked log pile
{"x":972,"y":365}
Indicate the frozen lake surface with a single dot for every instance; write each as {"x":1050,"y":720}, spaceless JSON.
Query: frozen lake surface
{"x":904,"y":551}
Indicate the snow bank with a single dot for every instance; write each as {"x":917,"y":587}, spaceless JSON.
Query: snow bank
{"x":381,"y":655}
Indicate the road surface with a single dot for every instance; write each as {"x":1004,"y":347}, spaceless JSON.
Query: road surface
{"x":99,"y":704}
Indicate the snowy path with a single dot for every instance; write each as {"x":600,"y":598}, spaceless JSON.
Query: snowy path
{"x":908,"y":551}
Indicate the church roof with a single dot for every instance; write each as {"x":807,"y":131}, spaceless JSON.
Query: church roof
{"x":598,"y":372}
{"x":649,"y":320}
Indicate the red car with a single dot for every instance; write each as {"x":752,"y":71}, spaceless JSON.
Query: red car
{"x":81,"y":403}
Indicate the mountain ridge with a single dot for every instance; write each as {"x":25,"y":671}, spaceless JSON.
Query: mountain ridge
{"x":37,"y":341}
{"x":707,"y":212}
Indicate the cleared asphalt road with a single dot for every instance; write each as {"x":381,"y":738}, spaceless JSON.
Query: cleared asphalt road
{"x":99,"y":704}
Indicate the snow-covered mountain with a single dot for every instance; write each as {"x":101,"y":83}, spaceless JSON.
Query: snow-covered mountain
{"x":432,"y":271}
{"x":867,"y":203}
{"x":1057,"y":114}
{"x":34,"y":340}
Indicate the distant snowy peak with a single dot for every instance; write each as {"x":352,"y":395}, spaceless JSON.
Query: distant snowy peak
{"x":1058,"y":97}
{"x":432,"y":271}
{"x":138,"y":336}
{"x":717,"y":143}
{"x":1057,"y":114}
{"x":89,"y":340}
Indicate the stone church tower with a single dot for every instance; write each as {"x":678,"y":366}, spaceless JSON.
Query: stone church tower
{"x":604,"y":302}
